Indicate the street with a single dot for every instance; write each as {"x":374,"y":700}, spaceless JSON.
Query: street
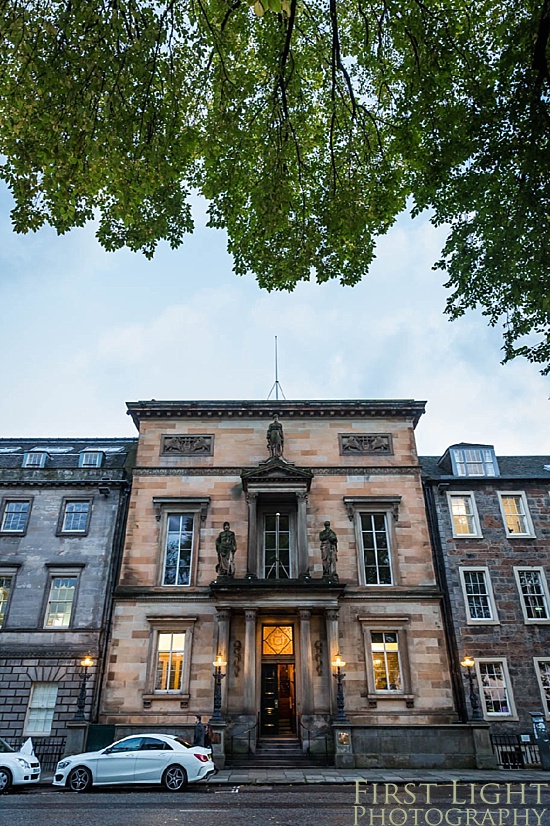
{"x":362,"y":804}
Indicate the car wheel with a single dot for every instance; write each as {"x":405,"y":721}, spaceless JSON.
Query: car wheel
{"x":80,"y":779}
{"x":174,"y":778}
{"x":5,"y":779}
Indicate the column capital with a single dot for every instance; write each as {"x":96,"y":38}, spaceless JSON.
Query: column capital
{"x":223,"y":613}
{"x":332,"y":614}
{"x":250,"y":614}
{"x":305,"y":614}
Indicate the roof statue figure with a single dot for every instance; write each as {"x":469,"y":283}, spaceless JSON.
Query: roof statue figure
{"x":275,"y":437}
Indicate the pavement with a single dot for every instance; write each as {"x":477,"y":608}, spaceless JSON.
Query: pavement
{"x":331,"y":775}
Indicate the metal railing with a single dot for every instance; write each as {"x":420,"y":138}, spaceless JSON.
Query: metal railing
{"x":48,"y":750}
{"x":248,"y":737}
{"x":308,"y":736}
{"x":514,"y":753}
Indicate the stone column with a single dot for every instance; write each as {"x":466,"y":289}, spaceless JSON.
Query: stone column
{"x":333,"y":645}
{"x":252,"y":550}
{"x":224,"y":618}
{"x":249,"y":672}
{"x":306,"y":663}
{"x":302,"y":555}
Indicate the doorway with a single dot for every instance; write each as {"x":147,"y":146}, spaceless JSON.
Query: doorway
{"x":278,"y":700}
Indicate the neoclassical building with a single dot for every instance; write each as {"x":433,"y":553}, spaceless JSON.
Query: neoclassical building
{"x":278,"y":593}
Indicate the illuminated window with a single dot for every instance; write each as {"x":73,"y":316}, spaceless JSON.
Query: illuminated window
{"x":385,"y":661}
{"x":170,"y":652}
{"x":5,"y":588}
{"x":464,"y":515}
{"x":542,"y":667}
{"x":495,"y":688}
{"x":515,"y":515}
{"x":277,"y":639}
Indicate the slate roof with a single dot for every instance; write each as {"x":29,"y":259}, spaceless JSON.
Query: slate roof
{"x":511,"y":467}
{"x":65,"y":453}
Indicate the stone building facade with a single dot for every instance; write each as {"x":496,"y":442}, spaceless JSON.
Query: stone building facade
{"x":63,"y":505}
{"x":279,"y":608}
{"x":491,"y":532}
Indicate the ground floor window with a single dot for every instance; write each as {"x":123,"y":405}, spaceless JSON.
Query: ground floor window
{"x":41,"y":709}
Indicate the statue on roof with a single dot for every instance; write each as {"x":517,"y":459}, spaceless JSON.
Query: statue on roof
{"x":275,"y":438}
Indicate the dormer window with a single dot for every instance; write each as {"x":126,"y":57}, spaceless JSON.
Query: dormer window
{"x":35,"y":459}
{"x":91,"y":458}
{"x":474,"y":461}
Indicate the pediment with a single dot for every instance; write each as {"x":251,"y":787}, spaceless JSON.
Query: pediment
{"x":277,"y":471}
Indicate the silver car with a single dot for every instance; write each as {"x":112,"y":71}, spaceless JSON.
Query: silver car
{"x":16,"y":768}
{"x":145,"y":758}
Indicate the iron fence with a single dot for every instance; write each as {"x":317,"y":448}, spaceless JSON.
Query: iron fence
{"x":514,"y":751}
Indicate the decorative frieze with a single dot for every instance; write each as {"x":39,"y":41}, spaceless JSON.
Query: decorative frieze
{"x":365,"y":444}
{"x":195,"y":445}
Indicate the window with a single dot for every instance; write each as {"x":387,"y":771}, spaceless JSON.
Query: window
{"x":91,"y":458}
{"x":375,"y":518}
{"x":385,"y":661}
{"x":75,"y":516}
{"x":15,"y":515}
{"x":496,"y":695}
{"x":376,"y":548}
{"x":5,"y":589}
{"x":34,"y":459}
{"x":464,"y":515}
{"x":169,"y":661}
{"x":542,"y":667}
{"x":277,"y":551}
{"x":515,"y":514}
{"x":41,"y":709}
{"x":60,"y":602}
{"x":533,"y":591}
{"x":478,"y":596}
{"x":478,"y":461}
{"x":170,"y":652}
{"x":179,"y":549}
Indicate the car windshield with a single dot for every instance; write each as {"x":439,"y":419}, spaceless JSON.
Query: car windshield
{"x":5,"y":747}
{"x":183,"y":742}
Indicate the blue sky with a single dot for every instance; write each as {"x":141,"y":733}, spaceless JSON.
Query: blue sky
{"x":84,"y":331}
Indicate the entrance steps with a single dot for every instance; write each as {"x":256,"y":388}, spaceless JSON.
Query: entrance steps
{"x":282,"y":751}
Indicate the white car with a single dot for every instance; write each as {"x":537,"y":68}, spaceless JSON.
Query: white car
{"x":147,"y":758}
{"x":16,"y":769}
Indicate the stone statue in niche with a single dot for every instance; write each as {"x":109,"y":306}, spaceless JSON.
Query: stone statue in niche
{"x":275,"y":437}
{"x":329,"y":552}
{"x":226,"y":545}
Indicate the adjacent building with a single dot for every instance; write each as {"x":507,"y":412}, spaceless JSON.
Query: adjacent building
{"x":63,"y":505}
{"x":271,"y":537}
{"x":490,"y":518}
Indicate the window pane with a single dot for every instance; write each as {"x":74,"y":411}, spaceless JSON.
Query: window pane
{"x":544,"y":671}
{"x":385,"y":661}
{"x":533,"y":594}
{"x":76,"y":516}
{"x":514,"y":514}
{"x":60,"y":603}
{"x":41,"y":708}
{"x":495,"y":691}
{"x":15,"y":516}
{"x":277,"y":546}
{"x":5,"y":585}
{"x":477,"y":594}
{"x":170,"y":654}
{"x":376,"y":549}
{"x":463,"y":516}
{"x":179,"y":548}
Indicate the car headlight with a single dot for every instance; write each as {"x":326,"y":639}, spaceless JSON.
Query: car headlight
{"x":63,"y":764}
{"x":23,"y":762}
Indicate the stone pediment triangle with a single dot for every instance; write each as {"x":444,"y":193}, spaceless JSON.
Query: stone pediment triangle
{"x":276,"y":470}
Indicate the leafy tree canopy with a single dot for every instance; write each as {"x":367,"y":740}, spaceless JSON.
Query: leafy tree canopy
{"x":307,"y":124}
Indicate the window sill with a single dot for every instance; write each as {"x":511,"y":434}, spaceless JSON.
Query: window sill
{"x":149,"y":699}
{"x":374,"y":699}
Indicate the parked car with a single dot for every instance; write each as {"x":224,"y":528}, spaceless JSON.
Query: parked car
{"x":147,"y":758}
{"x":16,"y":769}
